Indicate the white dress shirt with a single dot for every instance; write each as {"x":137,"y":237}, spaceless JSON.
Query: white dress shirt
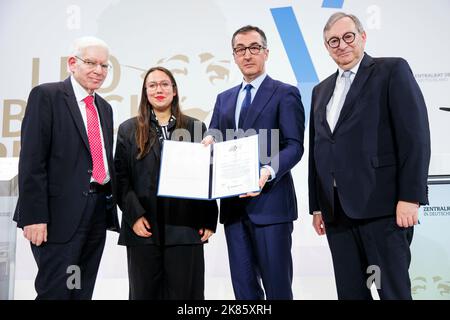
{"x":332,"y":106}
{"x":80,"y":94}
{"x":240,"y":99}
{"x":333,"y":111}
{"x":242,"y":92}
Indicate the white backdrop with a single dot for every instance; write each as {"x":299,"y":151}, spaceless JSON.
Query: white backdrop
{"x":192,"y":38}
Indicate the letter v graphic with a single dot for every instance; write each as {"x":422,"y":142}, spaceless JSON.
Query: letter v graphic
{"x":296,"y":50}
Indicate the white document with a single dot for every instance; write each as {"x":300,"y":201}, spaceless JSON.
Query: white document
{"x":235,"y":167}
{"x":186,"y":169}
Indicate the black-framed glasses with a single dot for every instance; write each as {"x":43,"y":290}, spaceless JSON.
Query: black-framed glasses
{"x":93,"y":65}
{"x":254,"y":49}
{"x":348,"y":38}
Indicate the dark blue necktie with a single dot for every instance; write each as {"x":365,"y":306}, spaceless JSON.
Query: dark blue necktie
{"x":245,"y":105}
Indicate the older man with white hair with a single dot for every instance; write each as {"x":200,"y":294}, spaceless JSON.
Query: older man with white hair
{"x":66,"y":175}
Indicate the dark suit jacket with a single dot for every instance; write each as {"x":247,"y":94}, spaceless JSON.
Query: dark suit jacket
{"x":55,"y":164}
{"x":380,"y":149}
{"x":276,"y":105}
{"x":137,"y":191}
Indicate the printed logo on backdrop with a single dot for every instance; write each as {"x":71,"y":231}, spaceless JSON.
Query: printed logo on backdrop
{"x":199,"y":56}
{"x":429,"y":211}
{"x":432,"y":77}
{"x":195,"y":56}
{"x":430,"y":253}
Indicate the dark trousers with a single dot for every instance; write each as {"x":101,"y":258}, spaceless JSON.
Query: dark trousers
{"x":166,"y":272}
{"x":64,"y":266}
{"x":260,"y":253}
{"x":369,"y":249}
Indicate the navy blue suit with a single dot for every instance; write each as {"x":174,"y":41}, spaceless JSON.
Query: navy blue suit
{"x":258,"y":229}
{"x":377,"y":154}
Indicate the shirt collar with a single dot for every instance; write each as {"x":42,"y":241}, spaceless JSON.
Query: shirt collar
{"x":80,"y":92}
{"x":256,"y":83}
{"x":354,"y":70}
{"x":154,"y":119}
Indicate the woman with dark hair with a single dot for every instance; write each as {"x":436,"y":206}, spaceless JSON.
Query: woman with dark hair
{"x":164,"y":236}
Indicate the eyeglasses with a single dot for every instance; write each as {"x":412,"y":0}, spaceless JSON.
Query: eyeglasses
{"x":153,"y":86}
{"x":93,"y":65}
{"x":254,"y":49}
{"x":335,"y":42}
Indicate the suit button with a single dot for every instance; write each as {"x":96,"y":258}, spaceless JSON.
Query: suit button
{"x":85,"y":193}
{"x":332,"y":141}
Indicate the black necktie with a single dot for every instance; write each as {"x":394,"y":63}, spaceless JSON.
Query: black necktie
{"x":245,"y":105}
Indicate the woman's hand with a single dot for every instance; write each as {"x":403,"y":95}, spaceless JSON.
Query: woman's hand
{"x":141,"y":227}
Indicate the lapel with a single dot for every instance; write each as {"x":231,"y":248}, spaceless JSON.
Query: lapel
{"x":323,"y":99}
{"x":230,"y":107}
{"x":363,"y":74}
{"x":156,"y":149}
{"x":157,"y":146}
{"x":262,"y":97}
{"x":72,"y":104}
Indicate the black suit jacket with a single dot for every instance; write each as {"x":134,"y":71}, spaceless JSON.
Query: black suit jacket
{"x":137,"y":182}
{"x":55,"y":164}
{"x":379,"y":151}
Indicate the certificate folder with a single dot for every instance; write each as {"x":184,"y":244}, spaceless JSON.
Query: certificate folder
{"x":219,"y":170}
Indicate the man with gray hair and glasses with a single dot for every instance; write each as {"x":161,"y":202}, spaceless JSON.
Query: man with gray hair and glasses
{"x":66,"y":175}
{"x":368,"y":164}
